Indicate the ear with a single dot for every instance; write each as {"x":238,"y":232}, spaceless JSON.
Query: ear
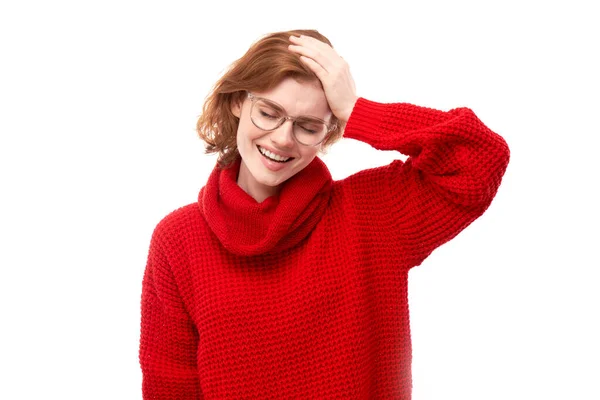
{"x":236,"y":107}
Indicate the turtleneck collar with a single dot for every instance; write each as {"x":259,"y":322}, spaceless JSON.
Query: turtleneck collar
{"x":246,"y":227}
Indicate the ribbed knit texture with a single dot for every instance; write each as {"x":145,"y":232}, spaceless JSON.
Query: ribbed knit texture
{"x":304,"y":296}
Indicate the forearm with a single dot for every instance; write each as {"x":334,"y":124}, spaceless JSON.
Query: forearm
{"x":454,"y":169}
{"x":454,"y":149}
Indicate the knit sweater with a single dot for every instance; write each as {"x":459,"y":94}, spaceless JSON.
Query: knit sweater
{"x":304,"y":295}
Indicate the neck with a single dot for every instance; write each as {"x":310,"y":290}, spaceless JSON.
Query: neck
{"x":256,"y":190}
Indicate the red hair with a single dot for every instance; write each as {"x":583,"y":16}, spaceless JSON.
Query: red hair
{"x":266,"y":63}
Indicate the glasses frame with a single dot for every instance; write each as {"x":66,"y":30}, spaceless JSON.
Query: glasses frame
{"x":285,"y":117}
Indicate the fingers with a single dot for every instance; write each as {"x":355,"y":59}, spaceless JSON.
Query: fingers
{"x":331,"y":69}
{"x":316,"y":50}
{"x":311,"y":43}
{"x":315,"y":67}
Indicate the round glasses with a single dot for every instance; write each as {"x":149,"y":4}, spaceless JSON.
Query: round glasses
{"x":268,"y":116}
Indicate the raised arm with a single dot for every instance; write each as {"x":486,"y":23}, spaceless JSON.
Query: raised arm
{"x":453,"y":172}
{"x":454,"y":168}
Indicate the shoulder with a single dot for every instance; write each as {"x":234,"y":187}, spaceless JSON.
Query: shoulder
{"x":372,"y":180}
{"x":367,"y":193}
{"x":178,"y":223}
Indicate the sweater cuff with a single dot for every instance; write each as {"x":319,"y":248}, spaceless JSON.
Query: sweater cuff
{"x":364,"y":120}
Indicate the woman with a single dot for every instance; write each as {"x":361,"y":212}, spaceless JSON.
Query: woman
{"x":281,"y":283}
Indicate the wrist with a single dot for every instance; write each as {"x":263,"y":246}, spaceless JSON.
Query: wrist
{"x":346,"y":115}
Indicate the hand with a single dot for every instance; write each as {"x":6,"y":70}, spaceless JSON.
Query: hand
{"x":333,"y":72}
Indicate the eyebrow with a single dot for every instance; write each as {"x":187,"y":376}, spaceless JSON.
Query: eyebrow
{"x":275,"y":105}
{"x":280,"y":108}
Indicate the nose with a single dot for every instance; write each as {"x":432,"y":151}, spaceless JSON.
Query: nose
{"x":283,"y":136}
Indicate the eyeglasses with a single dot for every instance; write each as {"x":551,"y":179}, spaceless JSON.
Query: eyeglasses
{"x":268,"y":116}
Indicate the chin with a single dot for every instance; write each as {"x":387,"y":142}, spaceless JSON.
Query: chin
{"x":273,"y":180}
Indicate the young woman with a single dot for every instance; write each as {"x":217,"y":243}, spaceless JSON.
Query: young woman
{"x":282,"y":283}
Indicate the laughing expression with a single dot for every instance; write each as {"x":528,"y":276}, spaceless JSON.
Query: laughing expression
{"x":269,"y":158}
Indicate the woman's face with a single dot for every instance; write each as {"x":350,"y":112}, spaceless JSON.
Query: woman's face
{"x":260,"y":176}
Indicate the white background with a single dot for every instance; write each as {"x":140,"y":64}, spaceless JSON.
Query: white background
{"x":98,"y":104}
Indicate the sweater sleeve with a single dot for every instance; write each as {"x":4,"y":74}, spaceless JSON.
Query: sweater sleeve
{"x":169,"y":339}
{"x":454,"y":168}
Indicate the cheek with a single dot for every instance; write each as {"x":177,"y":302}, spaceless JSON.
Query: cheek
{"x":309,"y":153}
{"x":247,"y":133}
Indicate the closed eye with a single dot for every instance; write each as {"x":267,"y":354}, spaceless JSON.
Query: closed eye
{"x":268,"y":115}
{"x":308,"y":130}
{"x":311,"y":127}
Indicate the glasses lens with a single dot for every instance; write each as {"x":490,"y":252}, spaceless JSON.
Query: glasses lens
{"x":310,"y":131}
{"x":265,"y":116}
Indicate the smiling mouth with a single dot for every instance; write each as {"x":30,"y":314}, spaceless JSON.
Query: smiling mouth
{"x":273,"y":157}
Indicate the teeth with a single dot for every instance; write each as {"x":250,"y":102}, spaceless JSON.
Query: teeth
{"x":272,"y":156}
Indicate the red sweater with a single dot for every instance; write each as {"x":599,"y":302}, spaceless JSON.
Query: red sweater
{"x":304,"y":296}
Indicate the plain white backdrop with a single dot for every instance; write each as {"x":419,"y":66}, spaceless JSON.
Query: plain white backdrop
{"x":98,"y":104}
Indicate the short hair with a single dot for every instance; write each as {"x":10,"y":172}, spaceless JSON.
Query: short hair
{"x":266,"y":64}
